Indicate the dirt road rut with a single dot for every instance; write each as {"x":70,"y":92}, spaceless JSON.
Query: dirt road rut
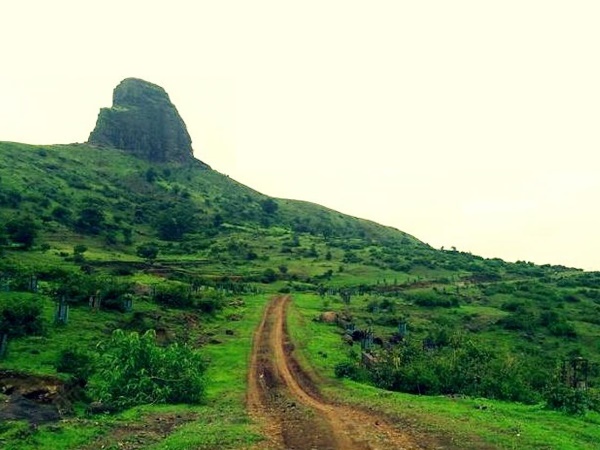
{"x":295,"y":415}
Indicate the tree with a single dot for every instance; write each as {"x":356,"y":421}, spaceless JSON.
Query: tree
{"x":22,"y":317}
{"x":149,"y":251}
{"x":269,"y":206}
{"x":22,"y":230}
{"x":172,"y":224}
{"x":91,"y":220}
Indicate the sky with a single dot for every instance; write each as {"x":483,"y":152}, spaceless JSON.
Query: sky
{"x":467,"y":124}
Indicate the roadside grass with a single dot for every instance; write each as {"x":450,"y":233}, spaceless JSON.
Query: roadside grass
{"x":70,"y":434}
{"x":466,"y":420}
{"x":223,"y":421}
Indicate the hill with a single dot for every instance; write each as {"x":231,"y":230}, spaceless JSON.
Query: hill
{"x":129,"y":231}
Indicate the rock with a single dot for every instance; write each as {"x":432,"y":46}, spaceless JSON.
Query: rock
{"x":98,"y":408}
{"x":328,"y":317}
{"x":144,"y":122}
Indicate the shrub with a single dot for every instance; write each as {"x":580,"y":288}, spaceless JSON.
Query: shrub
{"x":269,"y":276}
{"x":77,"y":363}
{"x":346,"y":369}
{"x":567,"y":399}
{"x":519,"y":321}
{"x":22,"y":231}
{"x":175,"y":296}
{"x":134,"y":370}
{"x":432,"y":299}
{"x":91,"y":220}
{"x":210,"y":302}
{"x":21,"y":317}
{"x":148,"y":251}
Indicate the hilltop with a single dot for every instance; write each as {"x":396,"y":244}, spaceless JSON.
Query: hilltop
{"x":143,"y":120}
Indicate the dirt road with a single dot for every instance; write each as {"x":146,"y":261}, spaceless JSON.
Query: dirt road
{"x":295,"y":415}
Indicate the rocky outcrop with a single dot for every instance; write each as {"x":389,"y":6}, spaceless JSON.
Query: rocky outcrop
{"x":143,"y":121}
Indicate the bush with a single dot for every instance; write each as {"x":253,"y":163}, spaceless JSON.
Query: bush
{"x":567,"y":399}
{"x":76,"y":363}
{"x":134,"y":370}
{"x":458,"y":367}
{"x":269,"y":276}
{"x":210,"y":302}
{"x":174,"y":296}
{"x":148,"y":251}
{"x":22,"y":231}
{"x":21,"y":317}
{"x":432,"y":299}
{"x":346,"y":369}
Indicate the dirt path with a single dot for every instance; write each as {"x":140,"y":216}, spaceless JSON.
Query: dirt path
{"x":295,"y":415}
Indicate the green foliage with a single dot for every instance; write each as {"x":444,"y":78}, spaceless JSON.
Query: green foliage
{"x":148,"y":251}
{"x":571,"y":400}
{"x":75,"y":287}
{"x":75,"y":362}
{"x":210,"y":302}
{"x":21,"y":316}
{"x":520,"y":320}
{"x":113,"y":294}
{"x":346,"y":369}
{"x":462,"y":367}
{"x":269,"y":206}
{"x":91,"y":219}
{"x":22,"y":230}
{"x":269,"y":276}
{"x":134,"y":370}
{"x":173,"y":223}
{"x":433,"y":299}
{"x":79,"y":249}
{"x":174,"y":296}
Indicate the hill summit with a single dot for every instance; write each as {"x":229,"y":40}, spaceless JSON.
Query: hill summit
{"x":143,"y":121}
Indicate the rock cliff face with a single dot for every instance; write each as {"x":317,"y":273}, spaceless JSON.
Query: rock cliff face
{"x":143,"y":120}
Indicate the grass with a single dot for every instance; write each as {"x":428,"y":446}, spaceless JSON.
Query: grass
{"x":468,"y":420}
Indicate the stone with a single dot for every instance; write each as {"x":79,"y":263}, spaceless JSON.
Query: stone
{"x":143,"y":121}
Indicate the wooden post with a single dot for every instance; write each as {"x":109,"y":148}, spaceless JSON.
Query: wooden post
{"x":62,"y":312}
{"x":402,"y":329}
{"x":128,"y":303}
{"x":33,"y":283}
{"x":3,"y":345}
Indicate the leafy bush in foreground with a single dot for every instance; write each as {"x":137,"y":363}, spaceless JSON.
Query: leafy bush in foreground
{"x":134,"y":370}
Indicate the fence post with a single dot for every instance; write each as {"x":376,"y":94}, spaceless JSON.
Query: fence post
{"x":3,"y":345}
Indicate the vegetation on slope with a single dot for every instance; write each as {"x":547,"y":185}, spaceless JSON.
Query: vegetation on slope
{"x":181,"y":251}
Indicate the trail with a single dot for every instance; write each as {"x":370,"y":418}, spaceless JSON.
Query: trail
{"x":295,"y":415}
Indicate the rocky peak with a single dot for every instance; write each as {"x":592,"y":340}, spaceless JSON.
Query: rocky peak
{"x":143,"y":120}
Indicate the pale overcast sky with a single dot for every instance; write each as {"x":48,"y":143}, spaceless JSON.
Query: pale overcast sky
{"x":472,"y":124}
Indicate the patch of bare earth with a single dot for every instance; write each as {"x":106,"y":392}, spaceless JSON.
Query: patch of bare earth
{"x":285,"y":399}
{"x":139,"y":435}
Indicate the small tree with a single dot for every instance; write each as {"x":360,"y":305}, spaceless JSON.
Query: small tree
{"x":21,"y":317}
{"x":22,"y":230}
{"x":149,"y":251}
{"x":269,"y":206}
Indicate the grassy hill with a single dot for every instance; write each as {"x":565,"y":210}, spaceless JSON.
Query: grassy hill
{"x":190,"y":253}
